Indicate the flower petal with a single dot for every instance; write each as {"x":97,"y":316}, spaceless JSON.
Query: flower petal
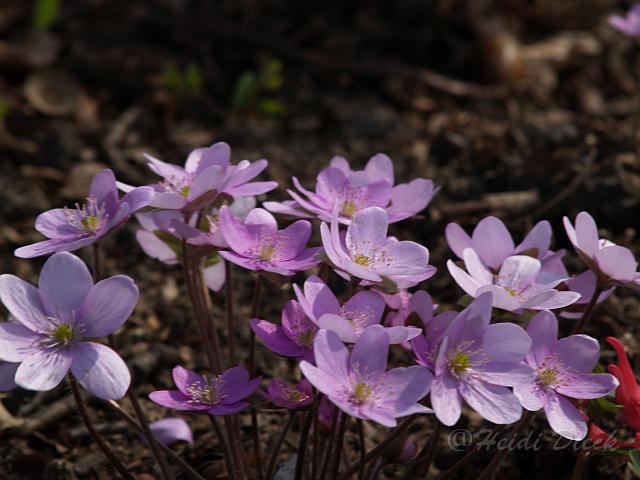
{"x":543,"y":330}
{"x":587,"y":234}
{"x":564,"y":418}
{"x":445,"y":399}
{"x":617,"y":263}
{"x":171,"y":430}
{"x":457,"y":239}
{"x":23,"y":302}
{"x":518,"y":272}
{"x":176,"y":400}
{"x":331,"y":354}
{"x":371,"y":350}
{"x":494,"y":403}
{"x":64,"y":283}
{"x":463,"y":279}
{"x":492,"y":241}
{"x":43,"y":370}
{"x":339,"y":325}
{"x":236,"y":384}
{"x":500,"y":350}
{"x":100,"y":370}
{"x":578,"y":352}
{"x":17,"y":342}
{"x":54,"y":224}
{"x":589,"y":385}
{"x":367,"y":231}
{"x":107,"y":305}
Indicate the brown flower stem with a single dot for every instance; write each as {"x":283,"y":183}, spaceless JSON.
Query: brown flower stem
{"x":589,"y":310}
{"x":97,"y":272}
{"x":231,"y":327}
{"x":224,"y":445}
{"x":191,"y":473}
{"x":363,"y":448}
{"x":255,"y":434}
{"x":101,"y":442}
{"x":271,"y":465}
{"x":497,"y":459}
{"x":427,"y":453}
{"x":381,"y":447}
{"x":311,"y":417}
{"x":343,"y":421}
{"x":329,"y":443}
{"x":255,"y":305}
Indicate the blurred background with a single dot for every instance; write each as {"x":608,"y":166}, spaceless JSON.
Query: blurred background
{"x":524,"y":109}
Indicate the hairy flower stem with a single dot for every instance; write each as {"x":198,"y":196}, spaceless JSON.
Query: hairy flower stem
{"x":188,"y":470}
{"x":331,"y":438}
{"x":231,"y":327}
{"x":160,"y":459}
{"x":102,"y":444}
{"x":497,"y":459}
{"x":381,"y":447}
{"x":363,"y":447}
{"x":255,"y":305}
{"x":224,"y":445}
{"x":271,"y":465}
{"x":311,"y":417}
{"x":425,"y":457}
{"x":343,"y":422}
{"x":589,"y":310}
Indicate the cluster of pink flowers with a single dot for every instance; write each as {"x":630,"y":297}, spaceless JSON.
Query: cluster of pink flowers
{"x":204,"y":215}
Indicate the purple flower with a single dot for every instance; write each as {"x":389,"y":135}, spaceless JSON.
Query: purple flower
{"x":520,"y":283}
{"x":347,"y":192}
{"x":433,"y":327}
{"x":629,"y":24}
{"x":55,"y":322}
{"x":613,"y":264}
{"x":294,"y":338}
{"x":171,"y":430}
{"x":563,"y":368}
{"x":289,"y":396}
{"x":493,"y":243}
{"x":476,"y":363}
{"x":357,"y":382}
{"x":367,"y":253}
{"x":259,"y":245}
{"x":363,"y":309}
{"x":158,"y":239}
{"x":7,"y":375}
{"x":69,"y":229}
{"x":207,"y":173}
{"x":216,"y":394}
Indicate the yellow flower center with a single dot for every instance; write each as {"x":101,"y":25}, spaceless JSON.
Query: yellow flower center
{"x":460,"y":362}
{"x":64,"y":333}
{"x":362,"y":392}
{"x":90,"y":223}
{"x":266,"y":252}
{"x":547,"y":376}
{"x":349,"y":209}
{"x":297,"y":395}
{"x":306,"y":338}
{"x":511,"y":291}
{"x":184,"y":191}
{"x":362,"y":260}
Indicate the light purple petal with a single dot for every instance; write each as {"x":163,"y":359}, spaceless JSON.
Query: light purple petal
{"x":251,"y":189}
{"x":368,"y":230}
{"x":214,"y":275}
{"x":100,"y":370}
{"x":248,"y":263}
{"x":543,"y":330}
{"x":210,"y":180}
{"x":46,"y":247}
{"x":107,"y":305}
{"x":379,"y":167}
{"x":494,"y":403}
{"x":155,"y":248}
{"x":171,"y":430}
{"x":578,"y":352}
{"x":457,"y":239}
{"x":587,"y":233}
{"x":589,"y":385}
{"x":202,"y":158}
{"x":16,"y":342}
{"x":317,"y":299}
{"x":513,"y":350}
{"x":227,"y":409}
{"x":446,"y":400}
{"x":339,"y":325}
{"x":236,"y":384}
{"x":529,"y":395}
{"x":410,"y":198}
{"x":234,"y":233}
{"x":409,"y":386}
{"x":320,"y":379}
{"x":23,"y":302}
{"x":518,"y":272}
{"x":331,"y":354}
{"x":64,"y":283}
{"x":183,"y":378}
{"x":617,"y":263}
{"x":492,"y":241}
{"x":401,"y":334}
{"x":103,"y":189}
{"x":259,"y":216}
{"x":463,"y":279}
{"x":476,"y":267}
{"x":43,"y":370}
{"x":539,"y":238}
{"x":138,"y":198}
{"x":54,"y":224}
{"x":294,"y":239}
{"x":7,"y":375}
{"x":371,"y":350}
{"x":176,"y":400}
{"x":501,"y":298}
{"x":163,"y":169}
{"x":564,"y":418}
{"x":403,"y":258}
{"x":506,"y":374}
{"x":249,"y":172}
{"x":552,"y":299}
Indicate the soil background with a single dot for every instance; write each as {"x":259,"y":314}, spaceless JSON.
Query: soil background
{"x":524,"y":109}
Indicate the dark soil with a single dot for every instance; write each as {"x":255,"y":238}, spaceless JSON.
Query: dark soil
{"x":522,"y":109}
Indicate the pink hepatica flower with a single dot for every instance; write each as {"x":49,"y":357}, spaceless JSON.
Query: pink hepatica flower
{"x":69,"y":229}
{"x":206,"y":174}
{"x":347,"y":192}
{"x":563,"y":368}
{"x":493,"y":243}
{"x":367,"y":253}
{"x":520,"y":283}
{"x":476,"y":362}
{"x":294,"y":338}
{"x":158,"y":239}
{"x":357,"y":382}
{"x":363,"y":309}
{"x":259,"y":245}
{"x":216,"y":394}
{"x":55,"y":322}
{"x":613,"y":264}
{"x":289,"y":396}
{"x":630,"y":23}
